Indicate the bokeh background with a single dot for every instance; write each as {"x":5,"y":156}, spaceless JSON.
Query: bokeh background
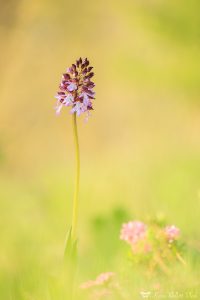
{"x":140,"y":150}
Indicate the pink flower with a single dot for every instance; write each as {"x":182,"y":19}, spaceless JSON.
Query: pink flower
{"x":172,"y":233}
{"x":100,"y":280}
{"x":104,"y":277}
{"x":133,"y":231}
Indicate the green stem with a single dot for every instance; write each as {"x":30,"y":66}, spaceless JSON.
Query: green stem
{"x":77,"y":177}
{"x":180,"y":258}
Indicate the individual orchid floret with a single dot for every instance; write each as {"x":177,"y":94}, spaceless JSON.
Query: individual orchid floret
{"x":133,"y":231}
{"x":76,"y":88}
{"x":172,"y":233}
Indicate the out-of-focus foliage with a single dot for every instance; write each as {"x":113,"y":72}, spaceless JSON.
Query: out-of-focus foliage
{"x":139,"y":151}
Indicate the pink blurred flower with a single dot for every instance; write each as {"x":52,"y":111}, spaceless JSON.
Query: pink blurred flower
{"x":100,"y":280}
{"x":172,"y":233}
{"x":133,"y":231}
{"x":104,"y":277}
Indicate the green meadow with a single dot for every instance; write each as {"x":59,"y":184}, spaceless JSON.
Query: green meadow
{"x":140,"y":150}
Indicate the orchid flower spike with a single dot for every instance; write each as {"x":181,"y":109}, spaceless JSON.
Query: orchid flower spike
{"x":76,"y":88}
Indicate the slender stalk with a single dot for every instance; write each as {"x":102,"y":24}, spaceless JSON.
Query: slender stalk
{"x":77,"y":177}
{"x":180,"y":258}
{"x":71,"y":240}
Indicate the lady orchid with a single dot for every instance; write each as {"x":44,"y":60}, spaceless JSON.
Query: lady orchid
{"x":76,"y":91}
{"x":76,"y":88}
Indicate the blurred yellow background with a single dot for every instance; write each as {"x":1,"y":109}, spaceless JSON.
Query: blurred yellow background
{"x":140,"y":149}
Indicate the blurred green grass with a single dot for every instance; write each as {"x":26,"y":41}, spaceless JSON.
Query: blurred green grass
{"x":139,"y":151}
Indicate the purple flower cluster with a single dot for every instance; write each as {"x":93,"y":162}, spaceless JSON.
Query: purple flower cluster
{"x":76,"y":88}
{"x":172,"y":233}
